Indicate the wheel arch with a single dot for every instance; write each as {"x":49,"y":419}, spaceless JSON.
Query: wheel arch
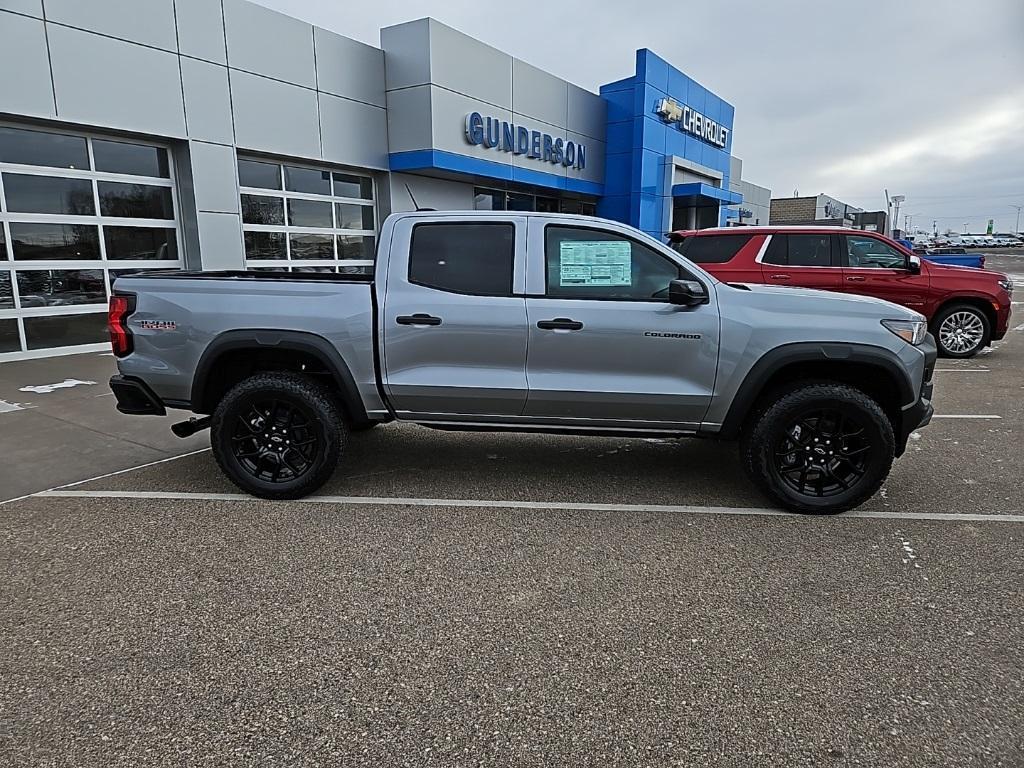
{"x":874,"y":370}
{"x":234,"y":355}
{"x":978,"y":302}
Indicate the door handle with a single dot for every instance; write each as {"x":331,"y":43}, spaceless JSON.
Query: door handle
{"x":855,"y":279}
{"x":779,"y":277}
{"x":419,"y":318}
{"x":560,"y":324}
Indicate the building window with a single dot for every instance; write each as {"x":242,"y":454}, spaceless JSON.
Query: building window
{"x":76,"y":212}
{"x":304,"y":219}
{"x":502,"y":200}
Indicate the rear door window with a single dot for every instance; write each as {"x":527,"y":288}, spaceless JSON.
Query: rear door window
{"x":810,"y":250}
{"x":799,"y":250}
{"x":463,"y":257}
{"x":712,"y":249}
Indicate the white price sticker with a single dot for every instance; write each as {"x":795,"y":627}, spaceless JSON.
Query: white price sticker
{"x":598,"y":262}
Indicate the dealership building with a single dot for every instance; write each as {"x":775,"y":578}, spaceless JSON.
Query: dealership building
{"x":217,"y":134}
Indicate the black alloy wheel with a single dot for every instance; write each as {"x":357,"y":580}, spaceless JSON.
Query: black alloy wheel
{"x":822,"y":453}
{"x":821,"y":448}
{"x":278,"y":435}
{"x":274,"y":441}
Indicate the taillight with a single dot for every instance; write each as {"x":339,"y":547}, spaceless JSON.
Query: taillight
{"x":117,"y":320}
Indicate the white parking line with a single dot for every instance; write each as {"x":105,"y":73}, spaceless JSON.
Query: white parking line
{"x":966,"y":416}
{"x":950,"y":370}
{"x":959,"y":517}
{"x":108,"y":474}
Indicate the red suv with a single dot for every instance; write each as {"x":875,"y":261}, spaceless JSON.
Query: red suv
{"x":966,"y":308}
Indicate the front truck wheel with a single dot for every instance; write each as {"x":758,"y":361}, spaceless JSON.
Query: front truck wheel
{"x":278,"y":435}
{"x":820,"y":449}
{"x":961,"y":331}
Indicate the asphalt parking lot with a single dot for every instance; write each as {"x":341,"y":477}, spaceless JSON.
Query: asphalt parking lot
{"x":470,"y":599}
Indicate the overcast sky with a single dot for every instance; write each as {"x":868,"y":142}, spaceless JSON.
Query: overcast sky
{"x":923,"y":97}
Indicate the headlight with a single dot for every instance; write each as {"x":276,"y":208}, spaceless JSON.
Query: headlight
{"x":1006,"y":285}
{"x":911,"y":331}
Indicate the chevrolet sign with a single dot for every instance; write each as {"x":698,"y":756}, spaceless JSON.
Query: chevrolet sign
{"x":692,"y":122}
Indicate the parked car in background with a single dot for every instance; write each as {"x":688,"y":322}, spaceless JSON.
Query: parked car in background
{"x":955,"y":256}
{"x":967,"y":309}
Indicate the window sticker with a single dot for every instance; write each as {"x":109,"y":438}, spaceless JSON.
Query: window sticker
{"x":599,"y":262}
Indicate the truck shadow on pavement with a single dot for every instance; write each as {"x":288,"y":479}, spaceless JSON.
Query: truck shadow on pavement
{"x":415,"y":462}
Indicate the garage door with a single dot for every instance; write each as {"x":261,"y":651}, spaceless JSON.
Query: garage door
{"x":76,"y":212}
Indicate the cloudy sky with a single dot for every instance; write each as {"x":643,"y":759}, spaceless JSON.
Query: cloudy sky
{"x":923,"y":97}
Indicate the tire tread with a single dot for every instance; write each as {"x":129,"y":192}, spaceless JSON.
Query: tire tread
{"x":756,"y":448}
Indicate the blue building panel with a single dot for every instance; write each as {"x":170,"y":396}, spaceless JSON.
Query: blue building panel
{"x":654,"y":138}
{"x":652,"y":69}
{"x":614,"y":207}
{"x":620,"y":104}
{"x":619,"y":136}
{"x":618,"y":173}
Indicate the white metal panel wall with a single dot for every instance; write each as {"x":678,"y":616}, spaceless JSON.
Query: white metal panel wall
{"x":426,"y":60}
{"x":205,"y":78}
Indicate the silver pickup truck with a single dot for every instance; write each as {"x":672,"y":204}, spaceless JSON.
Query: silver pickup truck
{"x":525,"y":322}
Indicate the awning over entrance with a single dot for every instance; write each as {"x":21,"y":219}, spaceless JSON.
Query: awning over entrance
{"x":698,"y":194}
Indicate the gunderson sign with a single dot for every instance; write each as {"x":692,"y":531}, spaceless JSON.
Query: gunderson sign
{"x":492,"y":133}
{"x":692,"y":121}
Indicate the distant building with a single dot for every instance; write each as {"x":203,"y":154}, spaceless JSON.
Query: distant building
{"x":817,"y":209}
{"x":756,"y":206}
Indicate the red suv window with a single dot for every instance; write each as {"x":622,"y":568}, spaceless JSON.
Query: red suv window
{"x":711,"y":249}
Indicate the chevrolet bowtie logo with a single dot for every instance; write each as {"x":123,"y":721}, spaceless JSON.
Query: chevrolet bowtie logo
{"x":670,"y":110}
{"x":692,"y":122}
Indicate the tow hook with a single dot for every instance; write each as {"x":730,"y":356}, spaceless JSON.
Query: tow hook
{"x":190,"y":427}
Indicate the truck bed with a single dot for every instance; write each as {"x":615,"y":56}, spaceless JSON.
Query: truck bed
{"x":180,"y":318}
{"x":228,"y":274}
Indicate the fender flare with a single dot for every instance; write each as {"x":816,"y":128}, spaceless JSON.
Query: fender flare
{"x":298,"y":341}
{"x":803,"y":352}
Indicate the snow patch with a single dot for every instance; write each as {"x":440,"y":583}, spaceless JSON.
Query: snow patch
{"x":45,"y":389}
{"x":909,"y":553}
{"x":6,"y":407}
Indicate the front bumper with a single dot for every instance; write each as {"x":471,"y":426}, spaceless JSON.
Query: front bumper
{"x":919,"y":413}
{"x":1002,"y":321}
{"x":135,"y":398}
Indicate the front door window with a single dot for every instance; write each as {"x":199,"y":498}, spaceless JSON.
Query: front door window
{"x":872,"y":253}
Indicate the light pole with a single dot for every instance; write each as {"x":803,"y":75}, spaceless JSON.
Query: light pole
{"x":896,"y":200}
{"x":1016,"y":229}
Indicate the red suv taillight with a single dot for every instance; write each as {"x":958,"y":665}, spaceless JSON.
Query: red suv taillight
{"x":117,"y":320}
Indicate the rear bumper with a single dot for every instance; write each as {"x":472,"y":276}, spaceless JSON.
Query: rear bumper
{"x":135,"y":398}
{"x":919,"y":413}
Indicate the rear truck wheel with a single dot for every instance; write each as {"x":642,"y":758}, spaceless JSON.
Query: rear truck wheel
{"x":278,"y":435}
{"x":820,"y":449}
{"x":961,"y":330}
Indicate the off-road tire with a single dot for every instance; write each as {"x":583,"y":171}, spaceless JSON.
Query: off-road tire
{"x":768,"y":427}
{"x":314,"y":401}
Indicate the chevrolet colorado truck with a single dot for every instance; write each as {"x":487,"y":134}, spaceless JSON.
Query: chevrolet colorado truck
{"x":525,"y":322}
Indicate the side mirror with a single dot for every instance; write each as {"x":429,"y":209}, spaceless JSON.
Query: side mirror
{"x":914,"y":265}
{"x":687,"y":293}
